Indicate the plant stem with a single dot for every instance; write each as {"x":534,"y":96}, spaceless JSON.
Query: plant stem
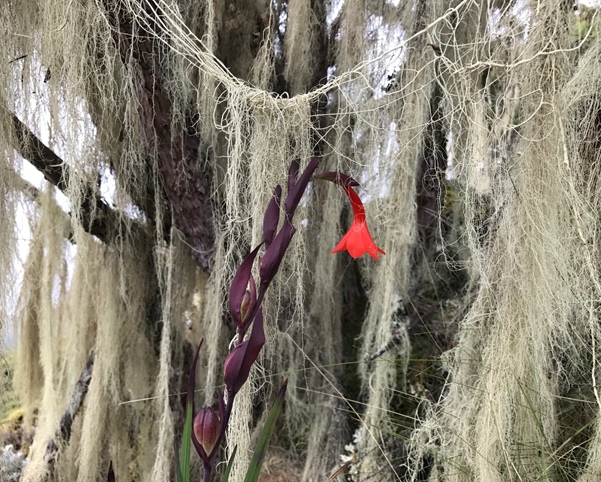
{"x":206,"y":476}
{"x":226,"y":418}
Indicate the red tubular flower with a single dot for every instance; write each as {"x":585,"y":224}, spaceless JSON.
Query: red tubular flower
{"x":358,"y":241}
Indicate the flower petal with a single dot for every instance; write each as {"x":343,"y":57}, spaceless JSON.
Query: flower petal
{"x":370,"y":244}
{"x":341,"y":246}
{"x":355,"y":243}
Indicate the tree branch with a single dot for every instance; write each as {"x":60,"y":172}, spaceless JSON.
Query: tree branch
{"x":98,"y":218}
{"x":63,"y":432}
{"x":32,"y":192}
{"x":41,"y":156}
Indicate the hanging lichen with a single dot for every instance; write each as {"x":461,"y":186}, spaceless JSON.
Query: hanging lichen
{"x":473,"y":129}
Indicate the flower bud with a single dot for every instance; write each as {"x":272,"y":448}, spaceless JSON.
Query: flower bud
{"x":248,"y":302}
{"x":238,"y":363}
{"x":207,"y":427}
{"x":238,"y":288}
{"x":245,"y":305}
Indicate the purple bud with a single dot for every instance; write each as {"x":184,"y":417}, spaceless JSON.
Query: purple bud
{"x":336,"y":177}
{"x":272,"y":258}
{"x":272,"y":216}
{"x":190,"y":400}
{"x":240,"y":360}
{"x":248,"y":302}
{"x":207,"y":428}
{"x":111,"y":475}
{"x":238,"y":288}
{"x":298,"y":189}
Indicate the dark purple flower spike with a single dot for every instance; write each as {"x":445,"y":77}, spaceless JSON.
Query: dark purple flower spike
{"x":243,"y":299}
{"x":245,"y":308}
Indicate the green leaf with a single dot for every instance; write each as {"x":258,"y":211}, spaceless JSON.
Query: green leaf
{"x":186,"y":444}
{"x":254,"y":469}
{"x":226,"y":474}
{"x":184,"y":467}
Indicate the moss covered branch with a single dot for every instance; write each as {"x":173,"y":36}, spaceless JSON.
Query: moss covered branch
{"x":98,"y":218}
{"x":63,"y":433}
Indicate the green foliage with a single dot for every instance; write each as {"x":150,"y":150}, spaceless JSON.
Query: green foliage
{"x":228,"y":469}
{"x":254,"y":469}
{"x":184,"y":467}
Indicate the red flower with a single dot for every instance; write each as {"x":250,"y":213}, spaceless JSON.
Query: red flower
{"x":358,"y":241}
